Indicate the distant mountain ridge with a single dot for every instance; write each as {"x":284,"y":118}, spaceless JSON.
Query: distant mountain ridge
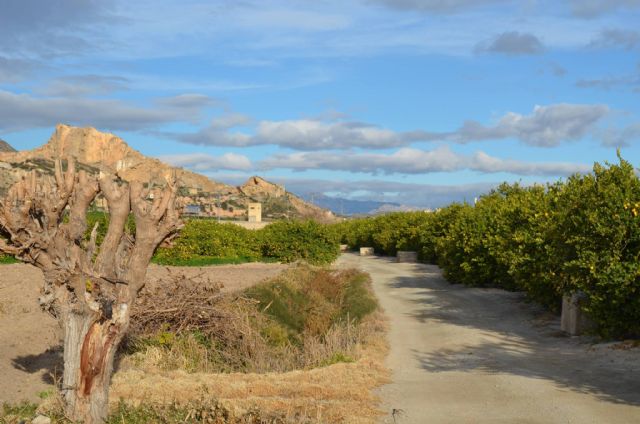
{"x":348,"y":207}
{"x":98,"y":151}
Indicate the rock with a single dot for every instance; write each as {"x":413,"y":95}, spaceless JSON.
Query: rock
{"x":574,"y":320}
{"x":407,"y":256}
{"x":99,"y":152}
{"x":366,"y":251}
{"x":41,"y":419}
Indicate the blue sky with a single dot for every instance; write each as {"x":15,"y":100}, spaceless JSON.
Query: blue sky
{"x":420,"y":102}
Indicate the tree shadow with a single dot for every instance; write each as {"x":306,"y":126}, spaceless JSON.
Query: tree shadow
{"x":50,"y":360}
{"x":515,"y":337}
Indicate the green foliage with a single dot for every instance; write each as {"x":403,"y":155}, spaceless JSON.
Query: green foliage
{"x":18,"y":412}
{"x":8,"y":259}
{"x":202,"y":240}
{"x":313,"y":301}
{"x":289,"y":241}
{"x":385,"y":233}
{"x":201,"y":411}
{"x":337,"y":358}
{"x":205,"y":242}
{"x":357,"y":300}
{"x":578,"y":235}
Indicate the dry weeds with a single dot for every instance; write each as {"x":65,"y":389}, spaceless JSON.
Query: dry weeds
{"x":184,"y":370}
{"x":338,"y":393}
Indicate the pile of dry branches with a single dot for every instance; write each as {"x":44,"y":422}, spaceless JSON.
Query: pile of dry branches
{"x":178,"y":303}
{"x":198,"y":325}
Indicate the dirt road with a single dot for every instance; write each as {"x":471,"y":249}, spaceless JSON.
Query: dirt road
{"x":467,"y":355}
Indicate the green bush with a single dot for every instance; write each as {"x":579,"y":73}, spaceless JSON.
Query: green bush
{"x":289,"y":241}
{"x":203,"y":242}
{"x":578,"y":235}
{"x":385,"y":233}
{"x":308,"y":301}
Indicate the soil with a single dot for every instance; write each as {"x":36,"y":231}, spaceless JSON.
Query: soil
{"x":473,"y":355}
{"x":30,"y":354}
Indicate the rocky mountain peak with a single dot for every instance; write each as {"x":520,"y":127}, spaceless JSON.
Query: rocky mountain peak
{"x":107,"y":152}
{"x":6,"y":147}
{"x":259,"y":187}
{"x":90,"y":146}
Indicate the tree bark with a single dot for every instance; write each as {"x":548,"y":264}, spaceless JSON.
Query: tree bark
{"x":90,"y":345}
{"x":90,"y":295}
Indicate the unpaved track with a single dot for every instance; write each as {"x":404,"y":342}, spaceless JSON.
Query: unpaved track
{"x":468,"y":355}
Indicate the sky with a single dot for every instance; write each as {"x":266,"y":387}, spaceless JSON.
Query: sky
{"x":418,"y":102}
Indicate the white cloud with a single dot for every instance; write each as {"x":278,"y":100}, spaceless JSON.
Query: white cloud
{"x":22,"y":111}
{"x":511,"y":43}
{"x":630,"y":81}
{"x":316,"y":135}
{"x":205,"y":162}
{"x":416,"y":194}
{"x":50,"y":28}
{"x":616,"y":38}
{"x":84,"y":85}
{"x":622,"y":137}
{"x":415,"y":161}
{"x":303,"y":134}
{"x":546,"y":126}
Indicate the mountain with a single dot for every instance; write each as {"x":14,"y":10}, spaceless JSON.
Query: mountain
{"x":389,"y":208}
{"x":96,"y":151}
{"x":6,"y":147}
{"x":348,"y":207}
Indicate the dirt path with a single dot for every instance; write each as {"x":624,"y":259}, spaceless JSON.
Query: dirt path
{"x":466,"y":355}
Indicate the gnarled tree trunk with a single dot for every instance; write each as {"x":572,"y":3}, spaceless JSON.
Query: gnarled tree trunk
{"x":89,"y":288}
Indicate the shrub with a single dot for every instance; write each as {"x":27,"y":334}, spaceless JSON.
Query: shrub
{"x":204,"y":242}
{"x":290,"y":241}
{"x":202,"y":239}
{"x":578,"y":235}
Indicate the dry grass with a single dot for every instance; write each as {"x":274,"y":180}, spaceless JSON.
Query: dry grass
{"x":324,"y":373}
{"x":341,"y":392}
{"x":305,"y":318}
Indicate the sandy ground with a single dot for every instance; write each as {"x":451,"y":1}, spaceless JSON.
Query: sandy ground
{"x":30,"y":357}
{"x":468,"y":355}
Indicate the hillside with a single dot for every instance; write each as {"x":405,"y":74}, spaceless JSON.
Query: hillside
{"x":97,"y":151}
{"x":6,"y":147}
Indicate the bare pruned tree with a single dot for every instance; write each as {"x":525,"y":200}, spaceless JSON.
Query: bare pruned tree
{"x":89,"y":288}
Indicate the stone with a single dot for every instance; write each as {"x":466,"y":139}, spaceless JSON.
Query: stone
{"x":574,"y":321}
{"x":344,"y":247}
{"x":366,"y":251}
{"x":407,"y":256}
{"x":41,"y":419}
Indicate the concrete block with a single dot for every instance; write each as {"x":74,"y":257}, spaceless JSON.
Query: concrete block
{"x":366,"y":251}
{"x":574,"y":320}
{"x":407,"y":256}
{"x":344,"y":247}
